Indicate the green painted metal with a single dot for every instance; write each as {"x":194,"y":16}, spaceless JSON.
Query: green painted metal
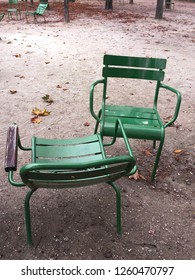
{"x":138,"y":122}
{"x":68,"y":163}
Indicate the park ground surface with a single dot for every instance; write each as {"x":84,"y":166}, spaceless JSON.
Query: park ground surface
{"x":62,"y":60}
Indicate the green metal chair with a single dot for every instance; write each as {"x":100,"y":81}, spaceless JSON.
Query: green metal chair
{"x":40,"y":11}
{"x":14,"y":9}
{"x":60,"y":163}
{"x":139,"y":122}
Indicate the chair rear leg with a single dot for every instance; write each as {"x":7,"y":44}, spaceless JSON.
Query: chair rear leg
{"x":27,"y":216}
{"x":118,"y":207}
{"x":154,"y":144}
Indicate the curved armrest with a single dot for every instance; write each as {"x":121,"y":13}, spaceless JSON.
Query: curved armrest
{"x":11,"y":153}
{"x":91,"y":98}
{"x":178,"y":103}
{"x":124,"y":136}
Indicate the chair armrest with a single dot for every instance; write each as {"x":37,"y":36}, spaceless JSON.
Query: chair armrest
{"x":124,"y":136}
{"x":178,"y":103}
{"x":92,"y":98}
{"x":11,"y":153}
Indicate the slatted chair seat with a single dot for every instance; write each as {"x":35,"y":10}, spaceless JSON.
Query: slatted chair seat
{"x":67,"y":163}
{"x":137,"y":122}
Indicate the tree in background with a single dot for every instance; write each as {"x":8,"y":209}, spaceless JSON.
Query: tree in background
{"x":108,"y":4}
{"x":159,"y":9}
{"x":66,"y":11}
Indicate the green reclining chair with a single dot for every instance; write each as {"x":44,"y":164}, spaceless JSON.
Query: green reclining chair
{"x":60,"y":163}
{"x":40,"y":11}
{"x":138,"y":122}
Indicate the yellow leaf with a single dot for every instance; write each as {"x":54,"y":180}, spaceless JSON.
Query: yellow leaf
{"x":39,"y":112}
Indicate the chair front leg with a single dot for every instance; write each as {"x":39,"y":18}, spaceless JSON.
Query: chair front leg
{"x":27,"y":216}
{"x":118,"y":207}
{"x":157,"y":158}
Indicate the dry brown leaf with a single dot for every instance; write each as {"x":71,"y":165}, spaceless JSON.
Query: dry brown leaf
{"x":17,"y":55}
{"x":86,"y":124}
{"x":136,"y":176}
{"x":147,"y":153}
{"x":36,"y":119}
{"x":178,"y":151}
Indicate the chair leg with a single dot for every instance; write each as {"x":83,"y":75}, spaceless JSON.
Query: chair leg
{"x":27,"y":216}
{"x":97,"y":123}
{"x":118,"y":207}
{"x":154,"y":144}
{"x":157,"y":159}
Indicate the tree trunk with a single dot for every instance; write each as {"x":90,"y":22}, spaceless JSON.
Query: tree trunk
{"x":108,"y":5}
{"x":159,"y":9}
{"x":66,"y":11}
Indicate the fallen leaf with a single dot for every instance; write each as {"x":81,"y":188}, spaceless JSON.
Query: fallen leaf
{"x":39,"y":112}
{"x":46,"y":98}
{"x":17,"y":55}
{"x":36,"y":119}
{"x":13,"y":91}
{"x":59,"y":86}
{"x":136,"y":176}
{"x":147,"y":153}
{"x":178,"y":151}
{"x":47,"y":62}
{"x":86,"y":124}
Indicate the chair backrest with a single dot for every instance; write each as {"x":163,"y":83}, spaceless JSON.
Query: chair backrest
{"x":41,"y":8}
{"x":59,"y":167}
{"x":13,"y":2}
{"x":134,"y":67}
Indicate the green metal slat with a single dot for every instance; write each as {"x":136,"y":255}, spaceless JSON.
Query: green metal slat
{"x":65,"y":175}
{"x":158,"y":63}
{"x":133,"y":121}
{"x":70,"y":151}
{"x":134,"y":73}
{"x":132,"y":112}
{"x":56,"y":142}
{"x":134,"y":131}
{"x":73,"y":160}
